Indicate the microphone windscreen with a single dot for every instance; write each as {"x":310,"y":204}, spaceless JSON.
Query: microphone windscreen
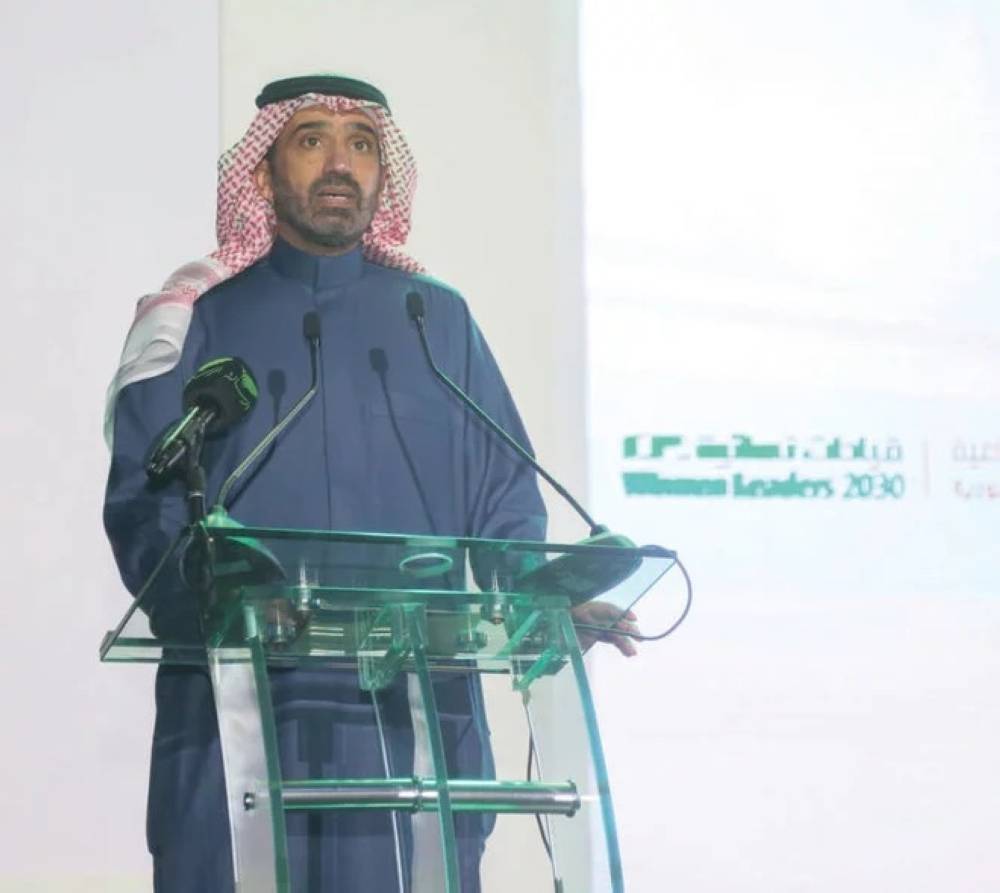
{"x":226,"y":385}
{"x":310,"y":326}
{"x":415,"y":306}
{"x":276,"y":385}
{"x":377,"y":357}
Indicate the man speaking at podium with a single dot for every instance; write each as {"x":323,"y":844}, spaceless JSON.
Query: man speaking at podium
{"x":313,"y":206}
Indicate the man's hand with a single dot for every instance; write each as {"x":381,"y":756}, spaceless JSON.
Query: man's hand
{"x":595,"y":613}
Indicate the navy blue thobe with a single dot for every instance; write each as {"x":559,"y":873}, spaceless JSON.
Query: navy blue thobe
{"x":383,"y":447}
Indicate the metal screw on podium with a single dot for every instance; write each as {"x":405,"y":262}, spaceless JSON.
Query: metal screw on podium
{"x":494,"y":612}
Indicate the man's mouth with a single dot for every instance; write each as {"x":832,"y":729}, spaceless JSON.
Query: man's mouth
{"x":338,"y":196}
{"x":337,"y":199}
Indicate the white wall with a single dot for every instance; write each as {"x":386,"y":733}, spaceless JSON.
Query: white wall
{"x":108,"y":162}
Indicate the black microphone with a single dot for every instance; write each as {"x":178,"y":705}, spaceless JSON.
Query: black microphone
{"x":380,"y":366}
{"x":311,"y":332}
{"x":217,"y":396}
{"x":379,"y":361}
{"x":579,"y":576}
{"x":415,"y":309}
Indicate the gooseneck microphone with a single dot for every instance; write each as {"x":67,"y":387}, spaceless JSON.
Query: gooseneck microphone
{"x":581,"y":576}
{"x":311,"y":332}
{"x":415,"y":310}
{"x":217,"y":396}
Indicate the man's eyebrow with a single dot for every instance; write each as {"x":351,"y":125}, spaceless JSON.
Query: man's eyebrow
{"x":321,"y":124}
{"x":311,"y":125}
{"x":367,"y":128}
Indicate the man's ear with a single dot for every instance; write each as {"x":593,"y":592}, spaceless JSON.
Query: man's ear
{"x":262,"y":180}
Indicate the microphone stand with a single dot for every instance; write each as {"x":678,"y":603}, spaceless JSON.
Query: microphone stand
{"x":196,"y":564}
{"x":194,"y":477}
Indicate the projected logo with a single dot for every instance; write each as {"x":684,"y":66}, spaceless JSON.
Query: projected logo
{"x":740,"y":467}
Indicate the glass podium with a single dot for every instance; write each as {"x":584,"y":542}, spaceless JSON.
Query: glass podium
{"x":242,"y":602}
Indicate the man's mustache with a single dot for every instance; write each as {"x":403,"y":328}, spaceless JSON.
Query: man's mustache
{"x":336,"y":181}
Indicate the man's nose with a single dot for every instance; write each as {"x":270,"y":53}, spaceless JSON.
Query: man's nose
{"x":338,"y":160}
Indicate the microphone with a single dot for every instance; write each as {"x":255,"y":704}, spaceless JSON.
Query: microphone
{"x":378,"y":360}
{"x":380,"y":366}
{"x":217,"y":396}
{"x":579,"y":576}
{"x":415,"y":309}
{"x":311,"y":332}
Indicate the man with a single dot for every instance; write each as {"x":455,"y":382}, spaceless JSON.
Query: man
{"x":314,"y":203}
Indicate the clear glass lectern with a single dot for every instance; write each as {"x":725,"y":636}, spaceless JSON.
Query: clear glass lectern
{"x":383,"y":605}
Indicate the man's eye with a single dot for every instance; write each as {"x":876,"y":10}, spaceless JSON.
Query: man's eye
{"x":311,"y":141}
{"x":362,"y":145}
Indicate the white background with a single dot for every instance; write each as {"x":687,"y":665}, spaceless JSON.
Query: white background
{"x":108,"y":152}
{"x":792,"y":216}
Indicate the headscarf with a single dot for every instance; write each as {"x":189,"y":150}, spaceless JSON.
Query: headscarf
{"x":245,"y":226}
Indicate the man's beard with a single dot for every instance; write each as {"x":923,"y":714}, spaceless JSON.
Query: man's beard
{"x":335,"y":228}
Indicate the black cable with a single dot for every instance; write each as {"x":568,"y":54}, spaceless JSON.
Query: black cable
{"x":556,"y":881}
{"x":609,"y":631}
{"x":538,"y":818}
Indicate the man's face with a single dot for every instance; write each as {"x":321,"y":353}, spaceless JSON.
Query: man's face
{"x":324,"y":179}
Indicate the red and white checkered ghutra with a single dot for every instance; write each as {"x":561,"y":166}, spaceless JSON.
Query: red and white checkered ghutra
{"x":245,"y":226}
